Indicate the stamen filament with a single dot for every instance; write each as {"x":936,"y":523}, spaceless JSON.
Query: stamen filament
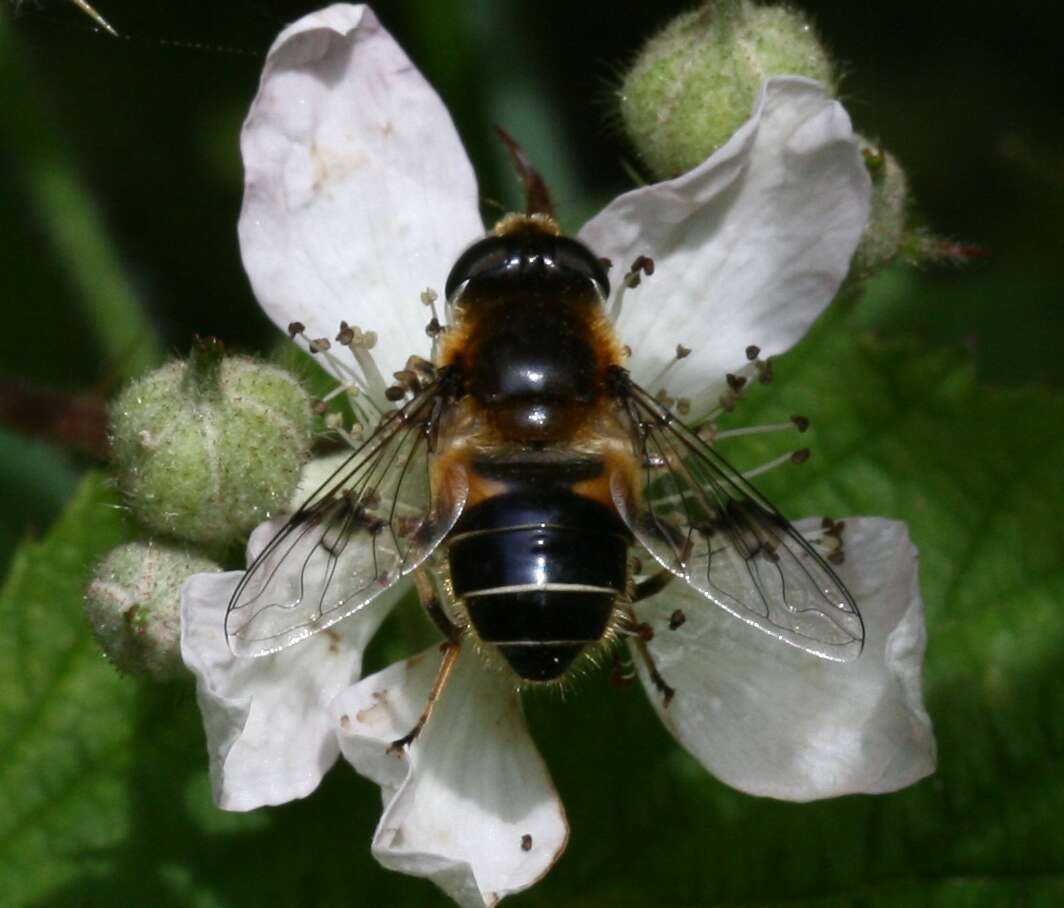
{"x":756,"y":430}
{"x":617,"y":304}
{"x":345,"y":388}
{"x":790,"y":457}
{"x":376,"y":387}
{"x":351,"y":438}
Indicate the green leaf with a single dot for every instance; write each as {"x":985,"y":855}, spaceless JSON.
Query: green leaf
{"x":60,"y":715}
{"x":105,"y":798}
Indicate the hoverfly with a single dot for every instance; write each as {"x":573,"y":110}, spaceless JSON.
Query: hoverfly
{"x":523,"y":468}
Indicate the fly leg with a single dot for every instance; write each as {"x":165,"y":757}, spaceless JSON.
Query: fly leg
{"x":430,"y":602}
{"x":652,"y":585}
{"x":450,"y":657}
{"x":639,"y":632}
{"x":426,"y":591}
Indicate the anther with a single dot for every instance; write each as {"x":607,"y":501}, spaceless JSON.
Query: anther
{"x":752,"y":352}
{"x":707,"y":432}
{"x":360,"y":342}
{"x":677,"y":619}
{"x":421,"y":366}
{"x":682,"y":352}
{"x":830,"y":540}
{"x":800,"y":422}
{"x":800,"y":456}
{"x":365,"y":340}
{"x":407,"y":380}
{"x":605,"y":263}
{"x":643,"y":264}
{"x":433,"y":329}
{"x":735,"y":382}
{"x":322,"y":346}
{"x":663,"y":398}
{"x":833,"y":527}
{"x":346,"y":335}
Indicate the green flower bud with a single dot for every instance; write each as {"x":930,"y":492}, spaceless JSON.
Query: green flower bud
{"x":887,"y":216}
{"x":695,"y":82}
{"x":134,"y":606}
{"x":207,"y":448}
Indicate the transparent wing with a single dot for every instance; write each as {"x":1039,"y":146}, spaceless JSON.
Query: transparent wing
{"x":372,"y":522}
{"x":702,"y":521}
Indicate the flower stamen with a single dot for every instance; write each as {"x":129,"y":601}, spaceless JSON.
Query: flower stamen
{"x":829,"y":540}
{"x":800,"y":456}
{"x":755,"y":369}
{"x":796,"y":422}
{"x":643,"y":265}
{"x":435,"y":327}
{"x":360,"y":342}
{"x":658,"y":381}
{"x":322,"y":347}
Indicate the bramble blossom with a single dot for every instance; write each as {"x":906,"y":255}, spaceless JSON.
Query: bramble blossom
{"x":359,"y":196}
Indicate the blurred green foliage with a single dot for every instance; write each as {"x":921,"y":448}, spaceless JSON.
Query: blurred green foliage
{"x":122,"y":185}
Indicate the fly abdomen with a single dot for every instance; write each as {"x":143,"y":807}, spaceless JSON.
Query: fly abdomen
{"x":539,"y":569}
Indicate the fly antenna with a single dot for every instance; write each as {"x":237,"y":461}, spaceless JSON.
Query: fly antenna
{"x":537,"y":196}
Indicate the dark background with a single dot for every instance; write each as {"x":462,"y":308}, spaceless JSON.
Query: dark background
{"x":145,"y":128}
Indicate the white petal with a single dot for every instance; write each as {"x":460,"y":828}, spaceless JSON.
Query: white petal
{"x":314,"y":475}
{"x":358,"y":192}
{"x":771,"y":720}
{"x":749,"y":247}
{"x":269,"y":737}
{"x":470,"y":805}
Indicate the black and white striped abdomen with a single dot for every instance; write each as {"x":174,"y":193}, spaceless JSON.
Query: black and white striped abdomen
{"x":539,"y":570}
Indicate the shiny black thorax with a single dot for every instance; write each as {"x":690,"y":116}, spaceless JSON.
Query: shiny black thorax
{"x":530,"y":359}
{"x":538,"y":566}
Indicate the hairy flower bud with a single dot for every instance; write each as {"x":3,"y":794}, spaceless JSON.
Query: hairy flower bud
{"x":695,"y":82}
{"x":205,"y":449}
{"x":134,"y":606}
{"x":887,"y":216}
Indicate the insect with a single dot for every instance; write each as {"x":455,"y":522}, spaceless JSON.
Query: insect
{"x":522,"y":469}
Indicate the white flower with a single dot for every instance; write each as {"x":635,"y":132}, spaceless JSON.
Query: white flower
{"x":359,"y":196}
{"x":269,"y":735}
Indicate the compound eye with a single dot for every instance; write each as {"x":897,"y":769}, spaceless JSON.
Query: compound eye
{"x":522,"y":262}
{"x":573,"y":257}
{"x":490,"y":254}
